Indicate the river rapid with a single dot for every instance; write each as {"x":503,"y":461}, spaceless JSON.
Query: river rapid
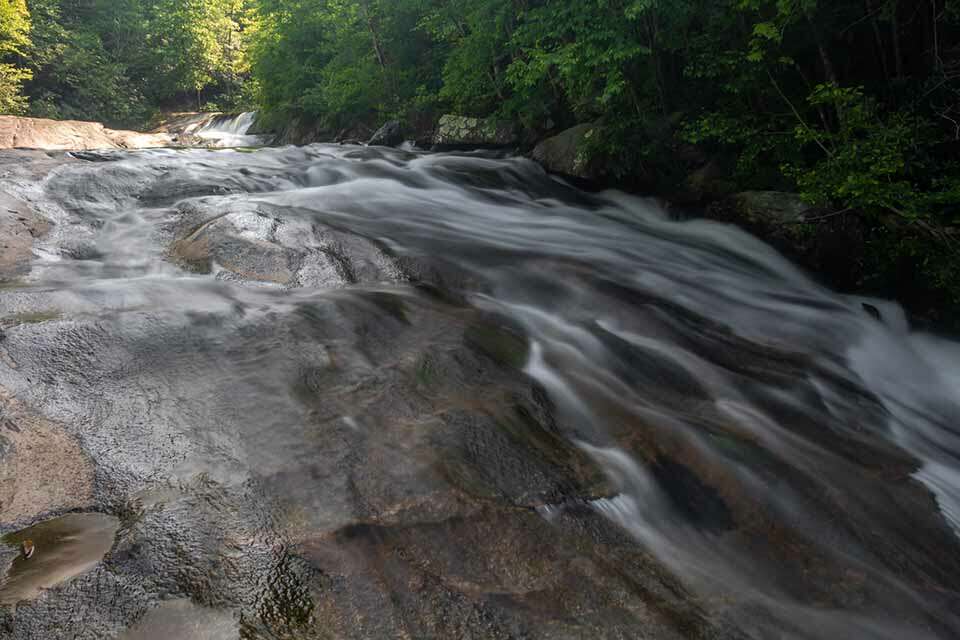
{"x":352,"y":392}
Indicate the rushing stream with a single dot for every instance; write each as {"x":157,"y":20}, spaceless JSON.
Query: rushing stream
{"x":230,"y":131}
{"x":355,"y":392}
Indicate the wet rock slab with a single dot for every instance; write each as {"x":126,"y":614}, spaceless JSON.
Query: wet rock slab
{"x":19,"y":227}
{"x":365,"y":393}
{"x":41,"y":133}
{"x":42,"y":467}
{"x":184,"y":619}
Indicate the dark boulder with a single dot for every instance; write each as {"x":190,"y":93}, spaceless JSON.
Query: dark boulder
{"x":707,"y":182}
{"x":354,"y":134}
{"x":302,"y":131}
{"x":566,"y":153}
{"x":831,"y":244}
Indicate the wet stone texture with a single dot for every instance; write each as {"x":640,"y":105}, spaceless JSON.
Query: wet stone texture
{"x":421,"y":441}
{"x":330,"y":393}
{"x":19,"y":227}
{"x":42,"y":468}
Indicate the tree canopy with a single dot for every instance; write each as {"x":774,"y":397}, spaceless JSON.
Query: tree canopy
{"x":14,"y":40}
{"x":854,"y":103}
{"x":118,"y":61}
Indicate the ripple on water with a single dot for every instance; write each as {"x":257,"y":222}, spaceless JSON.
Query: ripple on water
{"x":66,"y":547}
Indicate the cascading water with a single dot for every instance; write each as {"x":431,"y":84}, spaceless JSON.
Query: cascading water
{"x":230,"y":131}
{"x":374,"y":393}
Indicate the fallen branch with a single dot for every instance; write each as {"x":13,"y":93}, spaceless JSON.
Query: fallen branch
{"x":799,"y":117}
{"x":827,"y":216}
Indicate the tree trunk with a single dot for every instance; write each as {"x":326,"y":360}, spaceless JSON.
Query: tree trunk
{"x":377,"y":49}
{"x":829,"y":72}
{"x":895,"y":33}
{"x":878,"y":37}
{"x":824,"y":120}
{"x":374,"y":36}
{"x":652,"y":36}
{"x":931,"y":34}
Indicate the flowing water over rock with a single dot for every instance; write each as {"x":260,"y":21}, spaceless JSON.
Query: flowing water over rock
{"x":355,"y":392}
{"x":230,"y":131}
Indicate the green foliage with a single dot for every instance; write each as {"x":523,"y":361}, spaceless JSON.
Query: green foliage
{"x":118,"y":60}
{"x":196,"y":44}
{"x":476,"y":36}
{"x":14,"y":27}
{"x":752,"y":81}
{"x":587,"y":51}
{"x":874,"y":161}
{"x":865,"y":158}
{"x":343,"y":61}
{"x":85,"y":83}
{"x":11,"y":82}
{"x":14,"y":40}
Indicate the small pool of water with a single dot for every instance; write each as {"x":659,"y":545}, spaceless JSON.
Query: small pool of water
{"x":63,"y":549}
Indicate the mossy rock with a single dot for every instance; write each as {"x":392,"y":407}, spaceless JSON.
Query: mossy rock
{"x":566,"y":153}
{"x":459,"y":131}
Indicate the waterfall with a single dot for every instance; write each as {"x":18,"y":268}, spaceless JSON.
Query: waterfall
{"x":230,"y":130}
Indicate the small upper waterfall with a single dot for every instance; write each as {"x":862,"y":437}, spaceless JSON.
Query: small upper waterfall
{"x":230,"y":130}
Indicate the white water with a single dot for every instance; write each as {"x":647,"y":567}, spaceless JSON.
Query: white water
{"x":769,"y":444}
{"x":231,"y":131}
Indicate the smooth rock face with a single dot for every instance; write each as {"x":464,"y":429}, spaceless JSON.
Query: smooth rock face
{"x":389,"y":135}
{"x":363,"y":393}
{"x":264,"y":246}
{"x":19,"y":227}
{"x":40,"y":133}
{"x":459,"y":131}
{"x":42,"y":468}
{"x":566,"y":154}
